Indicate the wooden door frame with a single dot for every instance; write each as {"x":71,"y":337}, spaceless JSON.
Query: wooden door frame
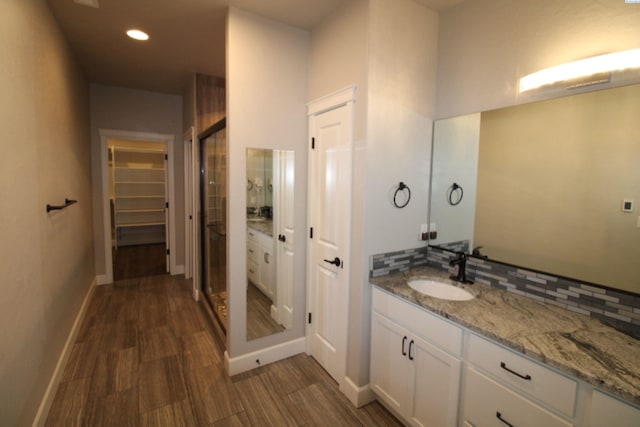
{"x":341,"y":98}
{"x":168,"y":140}
{"x":191,"y":190}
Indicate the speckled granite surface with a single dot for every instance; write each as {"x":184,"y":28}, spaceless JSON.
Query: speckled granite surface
{"x":265,"y":226}
{"x":572,"y":343}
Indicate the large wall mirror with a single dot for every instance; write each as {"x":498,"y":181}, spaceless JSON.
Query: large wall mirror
{"x":552,"y":186}
{"x":270,"y":241}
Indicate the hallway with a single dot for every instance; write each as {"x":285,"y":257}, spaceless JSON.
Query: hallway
{"x":145,"y":356}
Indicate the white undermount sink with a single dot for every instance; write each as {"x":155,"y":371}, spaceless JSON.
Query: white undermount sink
{"x":441,"y":290}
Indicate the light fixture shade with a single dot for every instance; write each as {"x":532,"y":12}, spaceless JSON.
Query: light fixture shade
{"x":137,"y":34}
{"x":582,"y":68}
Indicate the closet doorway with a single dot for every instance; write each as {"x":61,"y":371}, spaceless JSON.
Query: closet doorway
{"x":137,"y":215}
{"x":137,"y":205}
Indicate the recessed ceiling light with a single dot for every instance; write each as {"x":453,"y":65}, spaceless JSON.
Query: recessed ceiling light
{"x":90,"y":3}
{"x":138,"y":35}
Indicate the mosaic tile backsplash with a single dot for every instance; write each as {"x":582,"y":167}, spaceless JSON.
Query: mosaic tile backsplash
{"x":617,"y":308}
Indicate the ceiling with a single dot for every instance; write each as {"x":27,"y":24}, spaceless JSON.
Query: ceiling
{"x":186,"y":36}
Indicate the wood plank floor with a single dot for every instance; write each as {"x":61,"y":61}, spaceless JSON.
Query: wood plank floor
{"x":145,"y":356}
{"x":139,"y":261}
{"x":259,"y":321}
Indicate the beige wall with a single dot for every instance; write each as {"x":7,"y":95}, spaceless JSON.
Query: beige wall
{"x":487,"y":45}
{"x":551,"y":179}
{"x":47,"y":259}
{"x":123,"y":109}
{"x":267,"y":66}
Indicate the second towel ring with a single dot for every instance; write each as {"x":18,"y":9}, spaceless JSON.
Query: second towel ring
{"x":401,"y":187}
{"x":458,"y":190}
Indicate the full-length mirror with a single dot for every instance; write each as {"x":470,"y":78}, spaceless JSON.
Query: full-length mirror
{"x":270,"y":241}
{"x":552,"y":186}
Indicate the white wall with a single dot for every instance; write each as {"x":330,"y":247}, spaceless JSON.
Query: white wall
{"x":388,"y":50}
{"x":339,"y":58}
{"x":487,"y":45}
{"x":123,"y":109}
{"x":401,"y":96}
{"x":46,"y":264}
{"x":456,"y":147}
{"x":267,"y":66}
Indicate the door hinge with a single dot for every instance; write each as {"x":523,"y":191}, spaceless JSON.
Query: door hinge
{"x":313,"y":143}
{"x":309,"y":318}
{"x":190,"y":216}
{"x":166,"y":157}
{"x":168,"y":251}
{"x":166,"y":205}
{"x":311,"y":233}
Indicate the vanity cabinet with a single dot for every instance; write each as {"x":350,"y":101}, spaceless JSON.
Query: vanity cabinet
{"x":607,"y":411}
{"x":267,"y":265}
{"x":415,"y":370}
{"x":261,"y":268}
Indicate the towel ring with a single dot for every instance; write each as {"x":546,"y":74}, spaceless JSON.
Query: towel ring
{"x":401,"y":187}
{"x":459,"y":191}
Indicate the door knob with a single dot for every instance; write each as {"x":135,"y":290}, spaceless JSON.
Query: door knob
{"x":336,"y":261}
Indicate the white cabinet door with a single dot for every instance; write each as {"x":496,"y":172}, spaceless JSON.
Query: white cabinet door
{"x":267,"y":266}
{"x":415,"y":379}
{"x":607,"y":411}
{"x":390,"y":369}
{"x":435,"y":385}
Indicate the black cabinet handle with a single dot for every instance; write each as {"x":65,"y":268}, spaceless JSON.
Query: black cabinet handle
{"x":410,"y":348}
{"x":404,"y":339}
{"x":336,"y":261}
{"x":499,"y":416}
{"x":282,"y":237}
{"x":524,"y":377}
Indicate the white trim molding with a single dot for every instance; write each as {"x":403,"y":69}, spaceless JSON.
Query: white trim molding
{"x":264,"y":356}
{"x":358,"y":396}
{"x":54,"y":382}
{"x":168,"y":140}
{"x":332,"y":100}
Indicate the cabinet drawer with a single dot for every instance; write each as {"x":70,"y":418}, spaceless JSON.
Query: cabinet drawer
{"x":487,"y":403}
{"x":555,"y":390}
{"x":252,"y":251}
{"x":419,"y":322}
{"x":252,"y":272}
{"x":252,"y":235}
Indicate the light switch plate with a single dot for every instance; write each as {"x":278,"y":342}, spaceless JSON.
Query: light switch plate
{"x":627,"y":205}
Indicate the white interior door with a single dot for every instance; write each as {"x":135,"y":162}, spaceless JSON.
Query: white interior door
{"x":284,"y":168}
{"x":330,"y":220}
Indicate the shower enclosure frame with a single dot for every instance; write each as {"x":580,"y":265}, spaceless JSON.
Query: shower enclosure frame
{"x":214,"y":289}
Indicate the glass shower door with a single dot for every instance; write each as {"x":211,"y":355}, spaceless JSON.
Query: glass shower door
{"x":213,"y":161}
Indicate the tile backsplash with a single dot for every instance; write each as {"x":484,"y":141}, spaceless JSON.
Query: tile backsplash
{"x":617,"y":308}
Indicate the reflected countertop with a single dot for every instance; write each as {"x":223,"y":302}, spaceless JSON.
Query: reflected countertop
{"x":575,"y":344}
{"x":264,"y":226}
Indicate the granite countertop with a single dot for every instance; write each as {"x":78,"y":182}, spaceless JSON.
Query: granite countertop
{"x":575,"y":344}
{"x":265,"y":226}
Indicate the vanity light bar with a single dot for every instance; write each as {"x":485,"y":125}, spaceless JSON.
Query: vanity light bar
{"x":582,"y":68}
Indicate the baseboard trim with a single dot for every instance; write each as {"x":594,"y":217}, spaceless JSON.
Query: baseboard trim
{"x":103,"y":279}
{"x":358,"y":396}
{"x":49,"y":394}
{"x":177,"y":269}
{"x":246,"y":362}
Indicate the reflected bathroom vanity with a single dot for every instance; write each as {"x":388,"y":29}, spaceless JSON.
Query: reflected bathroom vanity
{"x":270,"y":237}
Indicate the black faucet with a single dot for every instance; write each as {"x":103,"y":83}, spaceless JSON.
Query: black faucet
{"x":461,"y":262}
